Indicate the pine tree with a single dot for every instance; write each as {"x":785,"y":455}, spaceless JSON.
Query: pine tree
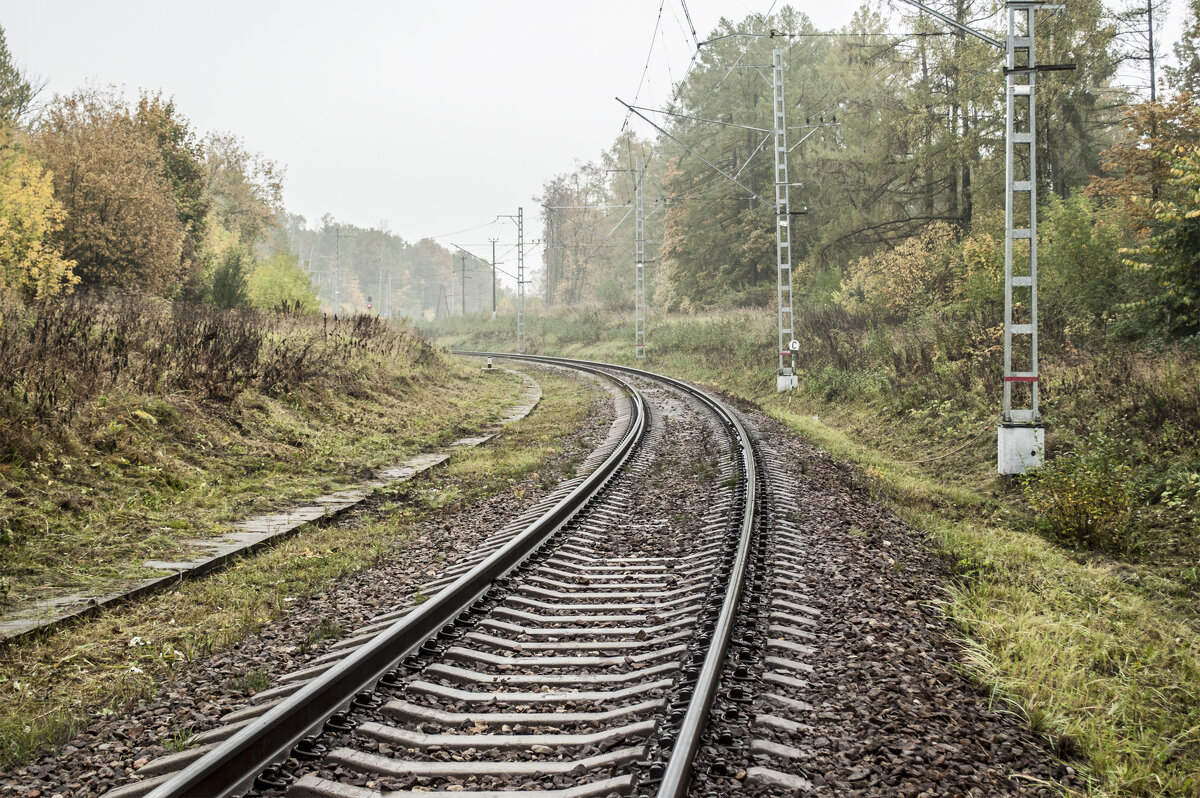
{"x":16,"y":92}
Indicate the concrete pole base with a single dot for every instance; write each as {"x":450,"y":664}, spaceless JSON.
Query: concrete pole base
{"x":1019,"y":447}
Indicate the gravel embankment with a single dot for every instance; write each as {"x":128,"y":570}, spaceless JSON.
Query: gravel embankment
{"x":894,"y":712}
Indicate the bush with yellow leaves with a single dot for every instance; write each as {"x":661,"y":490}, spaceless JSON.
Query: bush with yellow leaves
{"x":1088,"y":496}
{"x":916,"y":270}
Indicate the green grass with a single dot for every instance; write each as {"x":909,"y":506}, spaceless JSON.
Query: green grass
{"x":326,"y":630}
{"x":253,"y":681}
{"x":1103,"y":668}
{"x":50,"y":686}
{"x":89,"y":513}
{"x":1100,"y":652}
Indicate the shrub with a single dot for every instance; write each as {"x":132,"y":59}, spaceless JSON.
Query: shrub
{"x":279,"y":282}
{"x":229,"y":281}
{"x":59,"y":358}
{"x":914,"y":272}
{"x":1088,"y":496}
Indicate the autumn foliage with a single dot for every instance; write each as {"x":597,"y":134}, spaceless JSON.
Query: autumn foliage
{"x":121,"y":225}
{"x":99,"y":192}
{"x":1135,"y":170}
{"x":30,"y":218}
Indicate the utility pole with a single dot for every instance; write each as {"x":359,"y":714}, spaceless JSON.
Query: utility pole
{"x":379,"y":281}
{"x":520,"y":220}
{"x":639,"y":264}
{"x":639,"y":253}
{"x":787,"y":345}
{"x":520,"y":281}
{"x":462,"y":260}
{"x":1020,"y":435}
{"x":786,"y":378}
{"x":494,"y":240}
{"x":337,"y":269}
{"x":549,"y":275}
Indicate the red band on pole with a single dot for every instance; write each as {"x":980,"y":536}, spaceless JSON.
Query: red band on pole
{"x":1020,"y":379}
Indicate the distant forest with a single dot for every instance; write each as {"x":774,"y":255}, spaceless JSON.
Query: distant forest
{"x":897,"y":129}
{"x":898,"y":146}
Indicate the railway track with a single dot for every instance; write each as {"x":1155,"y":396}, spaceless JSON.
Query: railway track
{"x":581,"y":651}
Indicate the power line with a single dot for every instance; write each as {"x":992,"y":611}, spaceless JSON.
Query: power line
{"x":646,"y":68}
{"x":666,"y":59}
{"x":687,"y":14}
{"x":466,"y":230}
{"x":588,"y":227}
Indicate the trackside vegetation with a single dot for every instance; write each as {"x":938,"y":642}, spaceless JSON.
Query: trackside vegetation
{"x":131,"y":425}
{"x":1076,"y":590}
{"x":1075,"y":587}
{"x":166,"y":369}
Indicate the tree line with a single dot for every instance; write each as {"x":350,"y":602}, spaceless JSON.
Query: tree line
{"x":98,"y":192}
{"x":898,"y":145}
{"x":356,"y":268}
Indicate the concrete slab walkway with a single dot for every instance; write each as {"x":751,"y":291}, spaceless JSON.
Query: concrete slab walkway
{"x":247,"y":536}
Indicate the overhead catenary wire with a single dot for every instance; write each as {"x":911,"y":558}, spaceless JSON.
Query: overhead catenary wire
{"x":649,"y":54}
{"x":845,"y":101}
{"x":666,"y":59}
{"x":465,"y":230}
{"x":587,"y":227}
{"x":688,"y":14}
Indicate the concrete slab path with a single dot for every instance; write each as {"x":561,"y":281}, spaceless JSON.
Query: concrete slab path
{"x":253,"y":533}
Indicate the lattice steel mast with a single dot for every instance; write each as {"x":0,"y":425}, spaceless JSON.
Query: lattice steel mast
{"x":1020,"y":436}
{"x":520,"y":281}
{"x":786,"y":377}
{"x":639,"y":264}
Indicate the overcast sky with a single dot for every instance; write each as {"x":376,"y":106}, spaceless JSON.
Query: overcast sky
{"x":434,"y":117}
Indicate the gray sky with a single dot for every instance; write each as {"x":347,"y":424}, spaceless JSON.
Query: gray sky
{"x":435,"y":117}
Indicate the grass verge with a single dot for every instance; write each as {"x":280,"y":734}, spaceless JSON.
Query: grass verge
{"x":87,"y":496}
{"x":1105,"y":667}
{"x":1100,"y":652}
{"x":51,"y":686}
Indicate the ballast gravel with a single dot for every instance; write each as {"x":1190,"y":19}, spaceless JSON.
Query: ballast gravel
{"x":894,"y":712}
{"x":653,"y":509}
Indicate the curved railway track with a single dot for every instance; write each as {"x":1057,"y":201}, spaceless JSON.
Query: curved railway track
{"x":579,"y":652}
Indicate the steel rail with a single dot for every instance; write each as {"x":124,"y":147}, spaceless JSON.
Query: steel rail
{"x":677,"y":775}
{"x":231,"y":767}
